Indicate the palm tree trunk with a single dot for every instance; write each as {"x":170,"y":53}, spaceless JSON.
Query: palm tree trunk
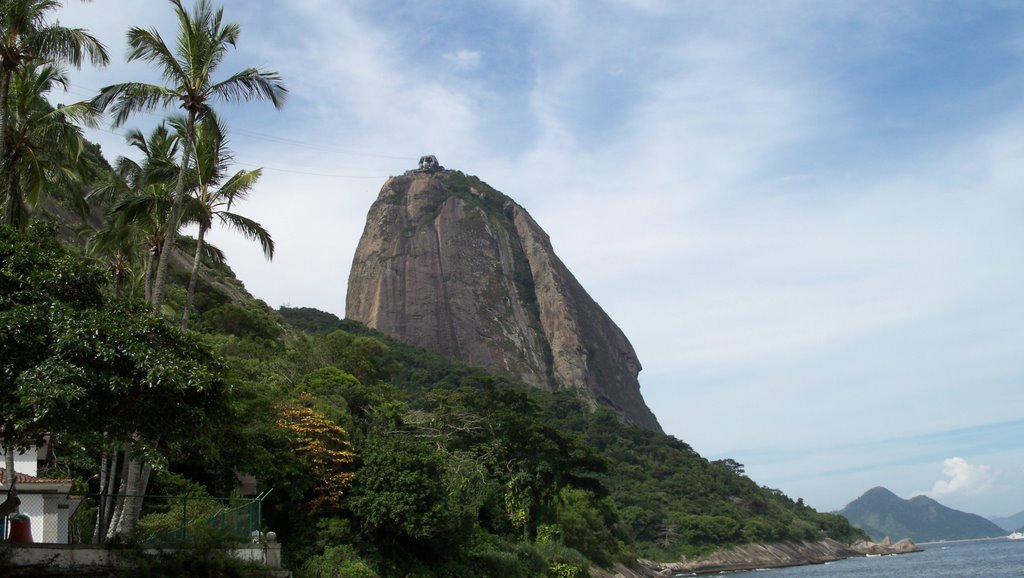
{"x":151,"y":260}
{"x":108,"y":476}
{"x":171,"y":233}
{"x":117,"y":464}
{"x":9,"y":465}
{"x":101,"y":504}
{"x":13,"y":211}
{"x":122,"y":490}
{"x":129,"y":501}
{"x":195,"y":275}
{"x":118,"y":284}
{"x":133,"y":506}
{"x":5,"y":185}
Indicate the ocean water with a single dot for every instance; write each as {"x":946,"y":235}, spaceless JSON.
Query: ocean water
{"x":996,"y":558}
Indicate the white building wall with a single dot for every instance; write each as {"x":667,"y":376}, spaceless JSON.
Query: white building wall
{"x":48,"y":512}
{"x":26,"y":462}
{"x":65,"y":509}
{"x":34,"y":507}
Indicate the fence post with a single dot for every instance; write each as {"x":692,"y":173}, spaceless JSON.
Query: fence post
{"x":273,"y":550}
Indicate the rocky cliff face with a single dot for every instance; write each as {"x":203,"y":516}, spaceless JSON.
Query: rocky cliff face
{"x":454,"y":266}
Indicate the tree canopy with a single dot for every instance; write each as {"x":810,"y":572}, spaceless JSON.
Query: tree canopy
{"x":77,"y":363}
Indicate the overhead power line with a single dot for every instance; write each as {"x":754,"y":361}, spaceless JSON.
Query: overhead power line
{"x":282,"y":140}
{"x":312,"y":171}
{"x":78,"y":90}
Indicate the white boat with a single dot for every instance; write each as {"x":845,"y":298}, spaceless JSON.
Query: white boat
{"x":1016,"y":536}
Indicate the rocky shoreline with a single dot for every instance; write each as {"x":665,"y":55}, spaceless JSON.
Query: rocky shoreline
{"x":754,"y":556}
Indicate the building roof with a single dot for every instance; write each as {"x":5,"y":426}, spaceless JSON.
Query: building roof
{"x":27,"y":479}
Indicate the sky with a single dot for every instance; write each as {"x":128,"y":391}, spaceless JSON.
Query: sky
{"x":806,"y":216}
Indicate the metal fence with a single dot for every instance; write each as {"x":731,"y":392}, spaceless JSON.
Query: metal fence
{"x":177,"y":519}
{"x":44,"y":512}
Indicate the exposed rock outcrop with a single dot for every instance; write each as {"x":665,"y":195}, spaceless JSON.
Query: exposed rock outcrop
{"x":450,"y":264}
{"x":778,"y":555}
{"x":754,"y":556}
{"x":886,"y":547}
{"x":644,"y":569}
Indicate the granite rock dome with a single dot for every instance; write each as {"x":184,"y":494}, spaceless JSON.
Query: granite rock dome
{"x":452,"y":265}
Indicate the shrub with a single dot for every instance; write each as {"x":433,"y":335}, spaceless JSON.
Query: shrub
{"x":239,"y":321}
{"x":562,"y":561}
{"x":500,"y":564}
{"x":562,"y":570}
{"x":336,"y":562}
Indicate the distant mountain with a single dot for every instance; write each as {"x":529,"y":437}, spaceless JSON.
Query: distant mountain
{"x":1009,"y":523}
{"x":882,"y":513}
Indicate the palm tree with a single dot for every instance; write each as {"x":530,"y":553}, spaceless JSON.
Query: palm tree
{"x":138,"y":195}
{"x":43,"y":147}
{"x":214,"y":195}
{"x":203,"y":40}
{"x":27,"y":39}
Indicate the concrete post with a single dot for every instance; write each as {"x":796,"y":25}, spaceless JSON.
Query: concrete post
{"x":273,"y":551}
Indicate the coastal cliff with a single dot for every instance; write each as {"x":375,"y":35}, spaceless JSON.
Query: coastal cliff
{"x":450,"y":264}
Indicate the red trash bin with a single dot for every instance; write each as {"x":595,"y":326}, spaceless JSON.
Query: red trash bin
{"x":21,"y":529}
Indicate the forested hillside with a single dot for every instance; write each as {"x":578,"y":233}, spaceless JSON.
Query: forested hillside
{"x":391,"y":460}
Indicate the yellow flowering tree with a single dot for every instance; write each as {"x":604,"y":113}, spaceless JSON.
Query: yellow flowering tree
{"x":323,"y":448}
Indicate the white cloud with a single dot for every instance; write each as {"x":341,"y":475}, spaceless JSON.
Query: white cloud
{"x":964,"y":478}
{"x":464,"y":60}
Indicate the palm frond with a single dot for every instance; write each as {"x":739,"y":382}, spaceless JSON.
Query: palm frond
{"x":249,"y":229}
{"x":238,"y":186}
{"x":128,"y":170}
{"x":70,"y":45}
{"x":211,"y":153}
{"x":149,"y":46}
{"x":209,"y":254}
{"x":83,"y":113}
{"x":139,"y":208}
{"x":195,"y":212}
{"x":129,"y":98}
{"x":43,"y":153}
{"x":250,"y":84}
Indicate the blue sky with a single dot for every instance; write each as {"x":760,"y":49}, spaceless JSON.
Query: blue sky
{"x":806,"y":216}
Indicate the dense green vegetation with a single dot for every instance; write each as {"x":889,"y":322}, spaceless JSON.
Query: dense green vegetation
{"x":630,"y":492}
{"x":435,"y":468}
{"x":103,"y":377}
{"x":70,"y":351}
{"x":385,"y":460}
{"x":39,"y":146}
